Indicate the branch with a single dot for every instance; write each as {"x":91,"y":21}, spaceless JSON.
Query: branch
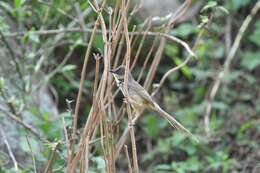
{"x":54,"y":149}
{"x":130,"y":116}
{"x":80,"y":91}
{"x":128,"y":159}
{"x":13,"y":56}
{"x":25,"y":125}
{"x":9,"y":149}
{"x":177,"y":67}
{"x":33,"y":158}
{"x":57,"y":31}
{"x":65,"y":13}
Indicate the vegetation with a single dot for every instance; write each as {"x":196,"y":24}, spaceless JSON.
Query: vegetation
{"x":61,"y":111}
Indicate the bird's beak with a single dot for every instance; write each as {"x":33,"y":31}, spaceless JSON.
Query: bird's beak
{"x":112,"y":70}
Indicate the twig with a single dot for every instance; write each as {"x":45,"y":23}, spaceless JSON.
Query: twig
{"x":97,"y":59}
{"x":59,"y":67}
{"x":73,"y":82}
{"x":177,"y":67}
{"x":181,"y":10}
{"x":69,"y":110}
{"x":170,"y":72}
{"x":33,"y":158}
{"x":57,"y":31}
{"x":29,"y":127}
{"x":25,"y":125}
{"x":81,"y":86}
{"x":104,"y":124}
{"x":228,"y":30}
{"x":137,"y":7}
{"x":140,"y":45}
{"x":128,"y":54}
{"x":170,"y":37}
{"x":48,"y":168}
{"x":118,"y":52}
{"x":159,"y":52}
{"x":227,"y":63}
{"x":13,"y":56}
{"x":128,"y":159}
{"x":9,"y":149}
{"x":147,"y":59}
{"x":59,"y":10}
{"x":122,"y":139}
{"x":80,"y":17}
{"x":92,"y":118}
{"x":87,"y":154}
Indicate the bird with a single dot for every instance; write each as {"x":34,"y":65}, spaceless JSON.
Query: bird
{"x":140,"y":99}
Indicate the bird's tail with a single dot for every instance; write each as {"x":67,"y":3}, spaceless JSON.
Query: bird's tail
{"x":174,"y":122}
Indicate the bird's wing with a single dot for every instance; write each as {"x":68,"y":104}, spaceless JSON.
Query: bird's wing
{"x":141,"y":92}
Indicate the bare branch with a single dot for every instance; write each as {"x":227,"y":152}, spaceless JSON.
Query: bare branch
{"x":54,"y":148}
{"x":82,"y":79}
{"x":128,"y":55}
{"x":128,"y":159}
{"x":33,"y":158}
{"x":9,"y":149}
{"x":57,"y":31}
{"x":177,"y":67}
{"x":25,"y":125}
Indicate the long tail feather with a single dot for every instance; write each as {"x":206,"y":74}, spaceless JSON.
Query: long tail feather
{"x":174,"y":122}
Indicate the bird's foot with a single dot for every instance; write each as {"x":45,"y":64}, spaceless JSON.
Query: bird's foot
{"x":125,"y":100}
{"x":132,"y":124}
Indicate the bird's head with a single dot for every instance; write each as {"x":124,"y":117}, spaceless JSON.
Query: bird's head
{"x":119,"y":73}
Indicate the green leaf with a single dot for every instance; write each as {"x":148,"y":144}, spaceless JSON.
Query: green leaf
{"x":68,"y":67}
{"x":178,"y":138}
{"x":18,"y":3}
{"x":194,"y":164}
{"x":199,"y":93}
{"x":33,"y":37}
{"x":210,"y":4}
{"x":80,"y":42}
{"x":251,"y":60}
{"x":232,"y":76}
{"x":98,"y":42}
{"x":220,"y":105}
{"x":7,"y":7}
{"x":221,"y":8}
{"x":204,"y":19}
{"x":184,"y":30}
{"x":246,"y":126}
{"x":163,"y":167}
{"x":171,"y":50}
{"x":185,"y":69}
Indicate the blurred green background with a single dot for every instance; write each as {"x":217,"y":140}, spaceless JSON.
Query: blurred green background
{"x":39,"y":72}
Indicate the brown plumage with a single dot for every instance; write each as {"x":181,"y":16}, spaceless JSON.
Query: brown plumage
{"x":139,"y":99}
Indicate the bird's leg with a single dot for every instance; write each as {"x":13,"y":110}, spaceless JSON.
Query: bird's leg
{"x":136,"y":107}
{"x":138,"y":111}
{"x":125,"y":100}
